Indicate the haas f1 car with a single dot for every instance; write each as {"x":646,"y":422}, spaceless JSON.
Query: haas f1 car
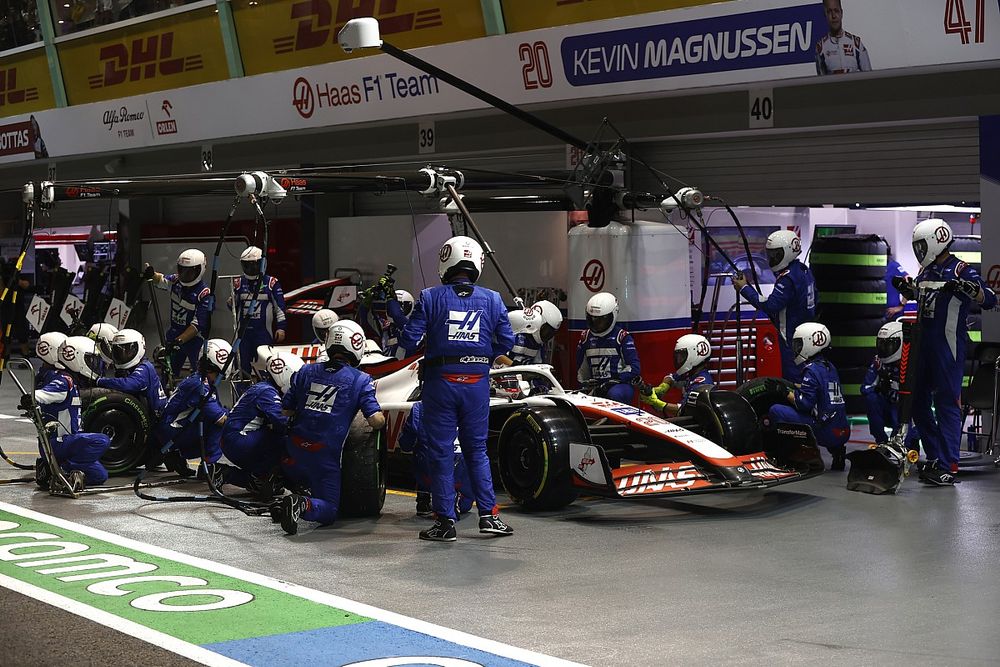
{"x":549,"y":444}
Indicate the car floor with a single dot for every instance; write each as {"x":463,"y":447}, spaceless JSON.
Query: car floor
{"x":805,"y":573}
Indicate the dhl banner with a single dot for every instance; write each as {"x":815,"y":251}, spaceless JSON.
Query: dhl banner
{"x":519,"y":15}
{"x":741,"y":42}
{"x":25,"y":83}
{"x":285,"y":34}
{"x":171,"y":52}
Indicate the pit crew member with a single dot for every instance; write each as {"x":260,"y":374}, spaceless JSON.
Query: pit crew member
{"x":78,"y":454}
{"x":411,"y":440}
{"x":102,"y":333}
{"x":840,"y":52}
{"x":265,"y":314}
{"x":466,"y":328}
{"x":540,"y":323}
{"x":193,"y":417}
{"x":880,"y":386}
{"x":944,"y":333}
{"x":191,"y":307}
{"x":793,"y":299}
{"x":135,"y":374}
{"x":819,"y":401}
{"x":691,"y":356}
{"x":607,"y":362}
{"x":324,"y":397}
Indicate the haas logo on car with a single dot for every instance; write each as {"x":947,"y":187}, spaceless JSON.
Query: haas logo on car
{"x":993,"y":277}
{"x":593,"y":276}
{"x":819,"y":338}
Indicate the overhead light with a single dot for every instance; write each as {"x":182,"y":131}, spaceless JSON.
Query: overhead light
{"x":362,"y":33}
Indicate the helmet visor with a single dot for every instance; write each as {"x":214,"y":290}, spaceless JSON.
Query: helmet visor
{"x":680,"y":356}
{"x":188,"y":274}
{"x":92,"y":360}
{"x":406,"y":307}
{"x":775,"y":256}
{"x":547,"y":332}
{"x":123,"y":353}
{"x":251,"y":268}
{"x":887,"y":347}
{"x":104,"y":345}
{"x":600,"y":323}
{"x":920,"y":250}
{"x":797,"y":344}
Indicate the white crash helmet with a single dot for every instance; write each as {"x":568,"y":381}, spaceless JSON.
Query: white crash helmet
{"x":103,"y":333}
{"x":47,"y":347}
{"x":190,"y":267}
{"x":519,"y":320}
{"x":348,"y":339}
{"x":322,"y":320}
{"x":79,"y":354}
{"x":782,"y":247}
{"x":250,"y":260}
{"x":602,"y":313}
{"x":460,"y":253}
{"x":215,"y":355}
{"x":931,"y":238}
{"x":889,"y":342}
{"x":280,"y":367}
{"x":128,"y":347}
{"x":809,"y":339}
{"x":259,"y":363}
{"x":405,"y":301}
{"x":542,"y":320}
{"x":690,"y":352}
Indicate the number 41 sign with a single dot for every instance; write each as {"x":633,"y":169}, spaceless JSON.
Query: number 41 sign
{"x":761,"y":108}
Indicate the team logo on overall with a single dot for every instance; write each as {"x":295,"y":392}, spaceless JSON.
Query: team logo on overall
{"x":464,"y":325}
{"x":320,"y":397}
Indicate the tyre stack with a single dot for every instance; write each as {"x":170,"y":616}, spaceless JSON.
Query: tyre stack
{"x":969,"y":249}
{"x":851,"y":293}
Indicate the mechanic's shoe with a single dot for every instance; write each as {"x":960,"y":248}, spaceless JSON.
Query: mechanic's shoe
{"x":492,"y":524}
{"x":923,"y":470}
{"x":839,"y":459}
{"x":77,"y":481}
{"x":177,"y":463}
{"x":43,"y":474}
{"x":274,"y":509}
{"x":424,"y":504}
{"x":291,"y":508}
{"x":937,"y":477}
{"x":443,"y":530}
{"x":214,"y":473}
{"x":266,"y":487}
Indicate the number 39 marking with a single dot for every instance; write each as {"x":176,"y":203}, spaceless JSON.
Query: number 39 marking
{"x":536,"y":69}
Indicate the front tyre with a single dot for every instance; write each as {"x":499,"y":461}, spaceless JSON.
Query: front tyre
{"x":363,"y":470}
{"x":534,"y":456}
{"x":125,"y":420}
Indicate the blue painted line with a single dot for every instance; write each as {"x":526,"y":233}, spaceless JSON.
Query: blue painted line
{"x":350,"y":644}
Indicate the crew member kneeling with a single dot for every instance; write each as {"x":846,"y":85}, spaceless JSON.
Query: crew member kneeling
{"x":881,"y":386}
{"x":136,"y":374}
{"x":607,"y":362}
{"x":818,"y":402}
{"x":691,"y":355}
{"x":324,"y":398}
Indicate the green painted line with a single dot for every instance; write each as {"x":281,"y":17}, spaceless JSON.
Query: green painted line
{"x":853,"y":341}
{"x":970,"y":257}
{"x":853,"y":298}
{"x":847,"y":260}
{"x":86,"y":569}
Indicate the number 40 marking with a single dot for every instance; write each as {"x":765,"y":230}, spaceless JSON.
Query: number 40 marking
{"x":956,"y":21}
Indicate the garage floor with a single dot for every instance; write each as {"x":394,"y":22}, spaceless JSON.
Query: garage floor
{"x":809,"y":573}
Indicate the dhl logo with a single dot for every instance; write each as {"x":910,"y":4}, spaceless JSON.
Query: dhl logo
{"x":9,"y":92}
{"x":143,"y":58}
{"x":319,"y":23}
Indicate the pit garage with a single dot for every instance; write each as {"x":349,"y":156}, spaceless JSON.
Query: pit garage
{"x":710,"y":533}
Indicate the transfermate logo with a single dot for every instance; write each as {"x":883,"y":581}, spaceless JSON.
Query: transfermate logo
{"x":464,"y":325}
{"x":318,"y":23}
{"x":143,"y":58}
{"x":593,"y":275}
{"x":10,"y":93}
{"x":320,"y":397}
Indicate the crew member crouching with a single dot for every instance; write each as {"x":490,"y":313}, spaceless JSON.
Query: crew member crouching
{"x":691,"y":355}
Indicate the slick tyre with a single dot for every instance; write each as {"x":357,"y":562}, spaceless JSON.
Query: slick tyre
{"x":534,"y":456}
{"x":122,"y":418}
{"x":363,"y":471}
{"x":856,"y":255}
{"x":762,"y":393}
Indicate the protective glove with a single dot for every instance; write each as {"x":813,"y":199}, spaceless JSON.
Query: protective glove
{"x":906,"y":286}
{"x":969,"y":288}
{"x":171,"y":346}
{"x":26,"y":403}
{"x":148,"y":273}
{"x":661,"y":389}
{"x":651,"y":399}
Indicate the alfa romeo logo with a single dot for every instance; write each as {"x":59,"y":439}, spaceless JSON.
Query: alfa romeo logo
{"x":593,"y":275}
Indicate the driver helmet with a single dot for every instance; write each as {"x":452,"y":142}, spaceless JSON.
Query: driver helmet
{"x":889,"y":342}
{"x":602,"y":313}
{"x":691,"y":352}
{"x":782,"y":246}
{"x":103,"y":333}
{"x":251,"y":260}
{"x":322,"y":320}
{"x":128,"y":348}
{"x":542,"y":321}
{"x":809,"y":339}
{"x":347,"y":339}
{"x":47,"y":347}
{"x":405,"y":301}
{"x":79,"y":355}
{"x":280,"y":367}
{"x":190,"y":267}
{"x":460,"y":253}
{"x":215,"y":355}
{"x":931,"y":237}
